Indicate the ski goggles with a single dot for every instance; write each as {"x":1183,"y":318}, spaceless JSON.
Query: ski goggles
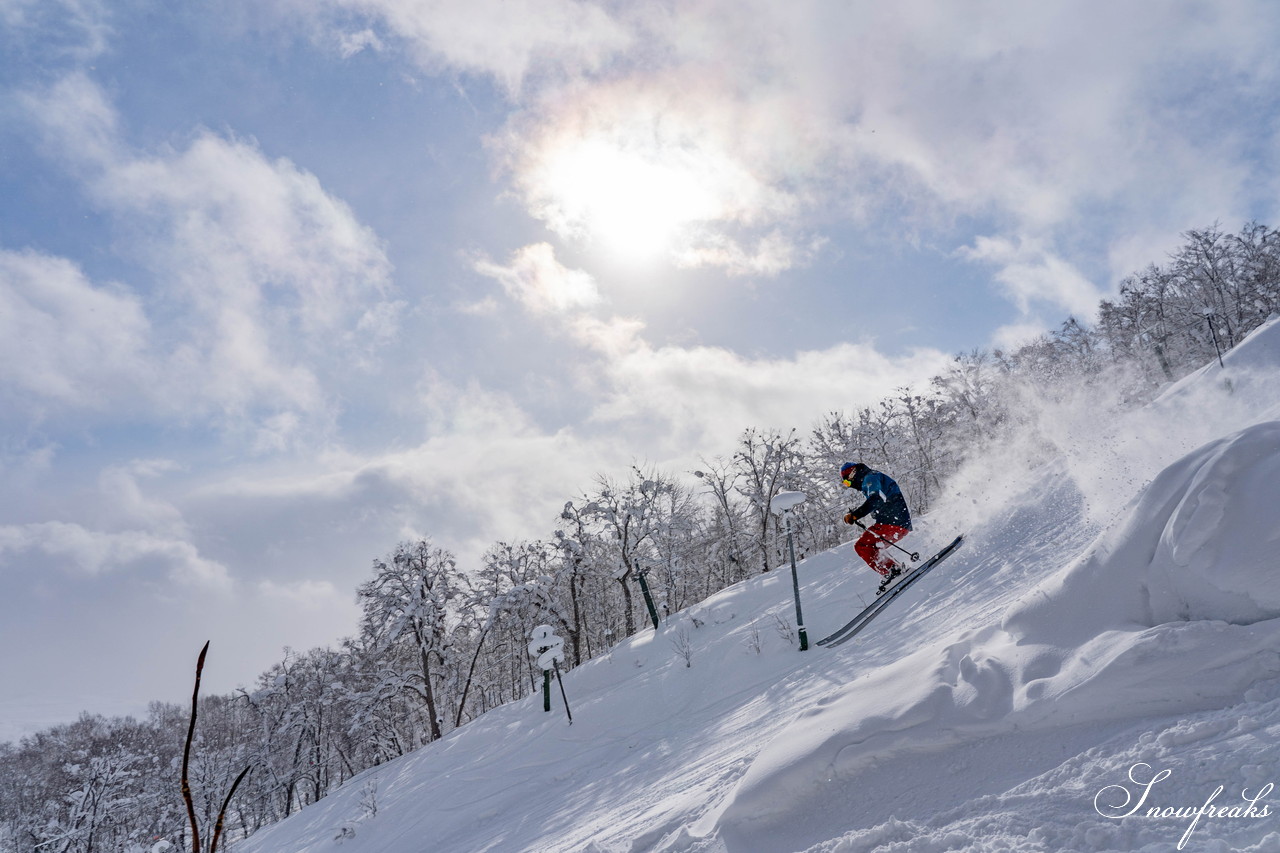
{"x":848,"y":484}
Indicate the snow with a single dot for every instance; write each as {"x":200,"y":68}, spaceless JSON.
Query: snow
{"x":1113,"y":616}
{"x":785,"y":501}
{"x":546,"y":647}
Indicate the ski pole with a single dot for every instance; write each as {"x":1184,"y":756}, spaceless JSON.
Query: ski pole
{"x":914,"y":555}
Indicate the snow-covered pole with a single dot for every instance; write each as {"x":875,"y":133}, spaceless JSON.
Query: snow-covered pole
{"x":548,"y":649}
{"x":782,"y":504}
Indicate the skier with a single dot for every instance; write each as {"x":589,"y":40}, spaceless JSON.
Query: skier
{"x":893,"y":521}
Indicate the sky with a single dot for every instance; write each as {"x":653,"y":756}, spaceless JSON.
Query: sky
{"x":284,"y":283}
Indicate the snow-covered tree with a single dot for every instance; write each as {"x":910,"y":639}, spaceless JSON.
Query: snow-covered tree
{"x":406,"y":612}
{"x":626,"y":517}
{"x":767,"y":461}
{"x":726,"y":534}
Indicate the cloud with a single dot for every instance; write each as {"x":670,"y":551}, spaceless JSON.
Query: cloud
{"x":536,"y":280}
{"x":671,"y":401}
{"x":506,"y":40}
{"x":73,"y":547}
{"x":269,"y":286}
{"x":658,"y":164}
{"x":484,"y":471}
{"x":275,"y":270}
{"x":703,"y":397}
{"x":1034,"y":274}
{"x":631,"y":135}
{"x":122,"y":529}
{"x":750,"y":128}
{"x":306,"y":595}
{"x":1013,"y":335}
{"x":66,"y":342}
{"x":126,"y":504}
{"x":349,"y":44}
{"x":772,"y":254}
{"x":1038,"y":113}
{"x":75,"y":29}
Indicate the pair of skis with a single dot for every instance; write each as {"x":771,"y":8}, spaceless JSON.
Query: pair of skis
{"x":850,"y":629}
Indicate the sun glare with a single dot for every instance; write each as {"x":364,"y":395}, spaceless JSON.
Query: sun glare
{"x":636,"y":204}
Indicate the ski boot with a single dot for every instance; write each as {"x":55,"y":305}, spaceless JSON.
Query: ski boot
{"x":895,"y":572}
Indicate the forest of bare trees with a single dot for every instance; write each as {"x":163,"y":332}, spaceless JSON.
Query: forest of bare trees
{"x":439,"y":643}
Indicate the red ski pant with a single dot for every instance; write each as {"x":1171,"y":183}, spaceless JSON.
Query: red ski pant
{"x":872,"y":545}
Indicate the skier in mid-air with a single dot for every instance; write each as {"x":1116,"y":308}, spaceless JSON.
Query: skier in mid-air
{"x":884,"y":500}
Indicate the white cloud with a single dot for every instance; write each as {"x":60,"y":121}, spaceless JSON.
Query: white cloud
{"x":78,"y":29}
{"x":349,"y":44}
{"x":66,"y":342}
{"x":485,"y":471}
{"x":95,"y":552}
{"x":79,"y":122}
{"x":306,"y":594}
{"x":703,"y":397}
{"x":612,"y":337}
{"x":1013,"y":335}
{"x":540,"y":283}
{"x":276,"y":285}
{"x":507,"y":40}
{"x":126,"y":504}
{"x":275,"y":268}
{"x":1033,"y":274}
{"x":660,"y":164}
{"x":672,"y":401}
{"x":773,"y":254}
{"x":1041,"y":112}
{"x":1050,"y":120}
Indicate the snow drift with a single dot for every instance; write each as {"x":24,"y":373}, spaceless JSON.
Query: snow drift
{"x":1201,"y":543}
{"x":1170,"y":611}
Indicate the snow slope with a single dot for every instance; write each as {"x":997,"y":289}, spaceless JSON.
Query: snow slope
{"x":1111,"y":617}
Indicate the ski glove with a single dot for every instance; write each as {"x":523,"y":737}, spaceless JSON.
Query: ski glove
{"x":850,"y":518}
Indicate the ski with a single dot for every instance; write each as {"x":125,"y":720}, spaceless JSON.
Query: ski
{"x":871,"y":611}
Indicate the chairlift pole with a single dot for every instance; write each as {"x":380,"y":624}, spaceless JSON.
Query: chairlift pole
{"x":795,"y":586}
{"x":641,"y":574}
{"x":782,"y":504}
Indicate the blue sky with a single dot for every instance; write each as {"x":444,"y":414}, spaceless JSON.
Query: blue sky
{"x":284,"y":283}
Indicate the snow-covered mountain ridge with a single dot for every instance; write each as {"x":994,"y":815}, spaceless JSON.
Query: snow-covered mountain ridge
{"x":1112,"y":615}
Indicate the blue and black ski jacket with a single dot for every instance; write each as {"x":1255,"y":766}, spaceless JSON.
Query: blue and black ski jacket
{"x":884,"y":498}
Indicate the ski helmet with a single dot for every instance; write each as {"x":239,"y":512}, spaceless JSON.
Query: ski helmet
{"x":846,"y":469}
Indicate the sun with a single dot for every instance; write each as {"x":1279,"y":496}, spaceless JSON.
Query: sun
{"x":636,"y":202}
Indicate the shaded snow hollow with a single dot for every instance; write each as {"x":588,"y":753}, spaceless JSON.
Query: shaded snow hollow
{"x":1029,"y":695}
